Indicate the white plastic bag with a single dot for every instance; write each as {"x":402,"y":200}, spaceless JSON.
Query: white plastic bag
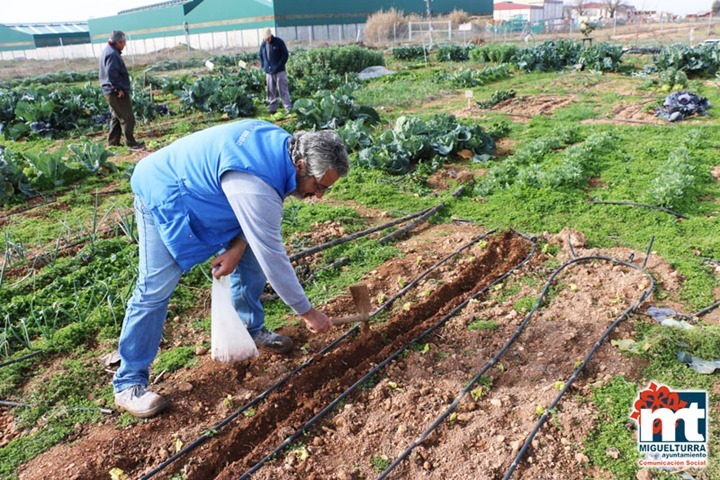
{"x":231,"y":341}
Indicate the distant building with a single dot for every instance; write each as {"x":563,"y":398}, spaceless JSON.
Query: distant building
{"x":219,"y":24}
{"x":596,"y":12}
{"x":529,"y":10}
{"x":22,"y":39}
{"x":509,"y":11}
{"x":552,"y":9}
{"x":706,"y":14}
{"x":213,"y":24}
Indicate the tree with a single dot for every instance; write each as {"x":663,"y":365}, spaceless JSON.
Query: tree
{"x":579,"y":6}
{"x":716,"y":7}
{"x":614,"y":6}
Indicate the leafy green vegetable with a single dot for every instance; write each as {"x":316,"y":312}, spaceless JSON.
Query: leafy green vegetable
{"x":332,"y":109}
{"x":414,"y":140}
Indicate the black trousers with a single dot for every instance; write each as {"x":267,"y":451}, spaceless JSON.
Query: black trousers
{"x":122,"y":122}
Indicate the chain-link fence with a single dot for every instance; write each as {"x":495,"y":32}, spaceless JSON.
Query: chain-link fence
{"x":639,"y":32}
{"x":630,"y":33}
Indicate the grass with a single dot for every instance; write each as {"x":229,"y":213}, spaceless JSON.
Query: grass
{"x":52,"y":401}
{"x":172,"y":360}
{"x":629,"y":170}
{"x":612,"y":403}
{"x":483,"y":325}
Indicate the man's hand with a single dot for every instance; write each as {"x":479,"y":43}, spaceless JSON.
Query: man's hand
{"x":120,"y":93}
{"x":316,"y":321}
{"x":225,"y":263}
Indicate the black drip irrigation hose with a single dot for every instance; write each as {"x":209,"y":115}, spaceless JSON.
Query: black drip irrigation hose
{"x":572,"y":250}
{"x":644,"y":205}
{"x":5,"y":403}
{"x":589,"y":356}
{"x":497,"y":357}
{"x":20,"y":359}
{"x":213,"y":431}
{"x":26,"y":208}
{"x":706,"y":309}
{"x":422,"y":218}
{"x":380,"y":366}
{"x":428,"y":212}
{"x":50,"y":202}
{"x":647,"y":251}
{"x":353,"y":236}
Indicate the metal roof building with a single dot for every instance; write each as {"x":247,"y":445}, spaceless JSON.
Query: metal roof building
{"x":213,"y":24}
{"x":39,"y":35}
{"x":210,"y":24}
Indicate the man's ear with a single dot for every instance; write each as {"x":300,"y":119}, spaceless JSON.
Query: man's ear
{"x":301,"y":167}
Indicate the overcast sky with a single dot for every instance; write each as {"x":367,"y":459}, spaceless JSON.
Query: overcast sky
{"x":37,"y":11}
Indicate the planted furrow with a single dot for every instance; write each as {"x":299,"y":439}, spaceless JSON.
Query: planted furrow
{"x":330,"y":375}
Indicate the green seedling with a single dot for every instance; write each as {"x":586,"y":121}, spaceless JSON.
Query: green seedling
{"x":483,"y":325}
{"x":380,"y":462}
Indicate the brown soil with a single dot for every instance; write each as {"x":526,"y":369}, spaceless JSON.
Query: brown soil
{"x":632,"y":113}
{"x":522,"y":109}
{"x":383,"y":417}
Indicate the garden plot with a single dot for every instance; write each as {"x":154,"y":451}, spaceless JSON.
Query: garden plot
{"x":379,"y":419}
{"x":525,"y":108}
{"x":350,"y":406}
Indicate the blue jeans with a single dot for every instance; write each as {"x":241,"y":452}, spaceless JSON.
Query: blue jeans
{"x":158,"y":275}
{"x":247,"y":283}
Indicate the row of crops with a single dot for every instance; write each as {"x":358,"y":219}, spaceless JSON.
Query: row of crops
{"x":64,"y":284}
{"x":324,"y":82}
{"x":41,"y":106}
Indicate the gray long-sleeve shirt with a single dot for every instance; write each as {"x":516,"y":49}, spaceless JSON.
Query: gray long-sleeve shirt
{"x":258,"y":208}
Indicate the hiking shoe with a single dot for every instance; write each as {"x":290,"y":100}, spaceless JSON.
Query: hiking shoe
{"x":137,"y":146}
{"x":140,"y":402}
{"x":273,"y":342}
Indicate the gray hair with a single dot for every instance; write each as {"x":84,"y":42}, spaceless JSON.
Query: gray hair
{"x":322,"y":150}
{"x":116,"y":36}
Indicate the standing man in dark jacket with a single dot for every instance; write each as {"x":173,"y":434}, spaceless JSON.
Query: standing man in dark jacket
{"x":115,"y":83}
{"x":273,"y":57}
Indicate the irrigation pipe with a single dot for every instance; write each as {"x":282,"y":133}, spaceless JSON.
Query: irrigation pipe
{"x":91,"y":237}
{"x":589,"y":356}
{"x":213,"y":431}
{"x":20,"y":359}
{"x":647,"y":251}
{"x":5,"y":403}
{"x":707,"y":309}
{"x":425,"y":213}
{"x":347,"y":238}
{"x":50,"y":202}
{"x":380,"y":366}
{"x":336,"y":264}
{"x":422,"y":218}
{"x":396,"y":234}
{"x":644,"y":205}
{"x":501,"y":352}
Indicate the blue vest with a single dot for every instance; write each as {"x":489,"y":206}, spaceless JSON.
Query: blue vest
{"x":180,"y":184}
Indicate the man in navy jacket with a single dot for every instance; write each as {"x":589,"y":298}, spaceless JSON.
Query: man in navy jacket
{"x":273,"y":57}
{"x":115,"y":84}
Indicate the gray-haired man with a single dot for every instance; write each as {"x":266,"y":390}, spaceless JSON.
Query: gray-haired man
{"x":220,"y":190}
{"x":115,"y":84}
